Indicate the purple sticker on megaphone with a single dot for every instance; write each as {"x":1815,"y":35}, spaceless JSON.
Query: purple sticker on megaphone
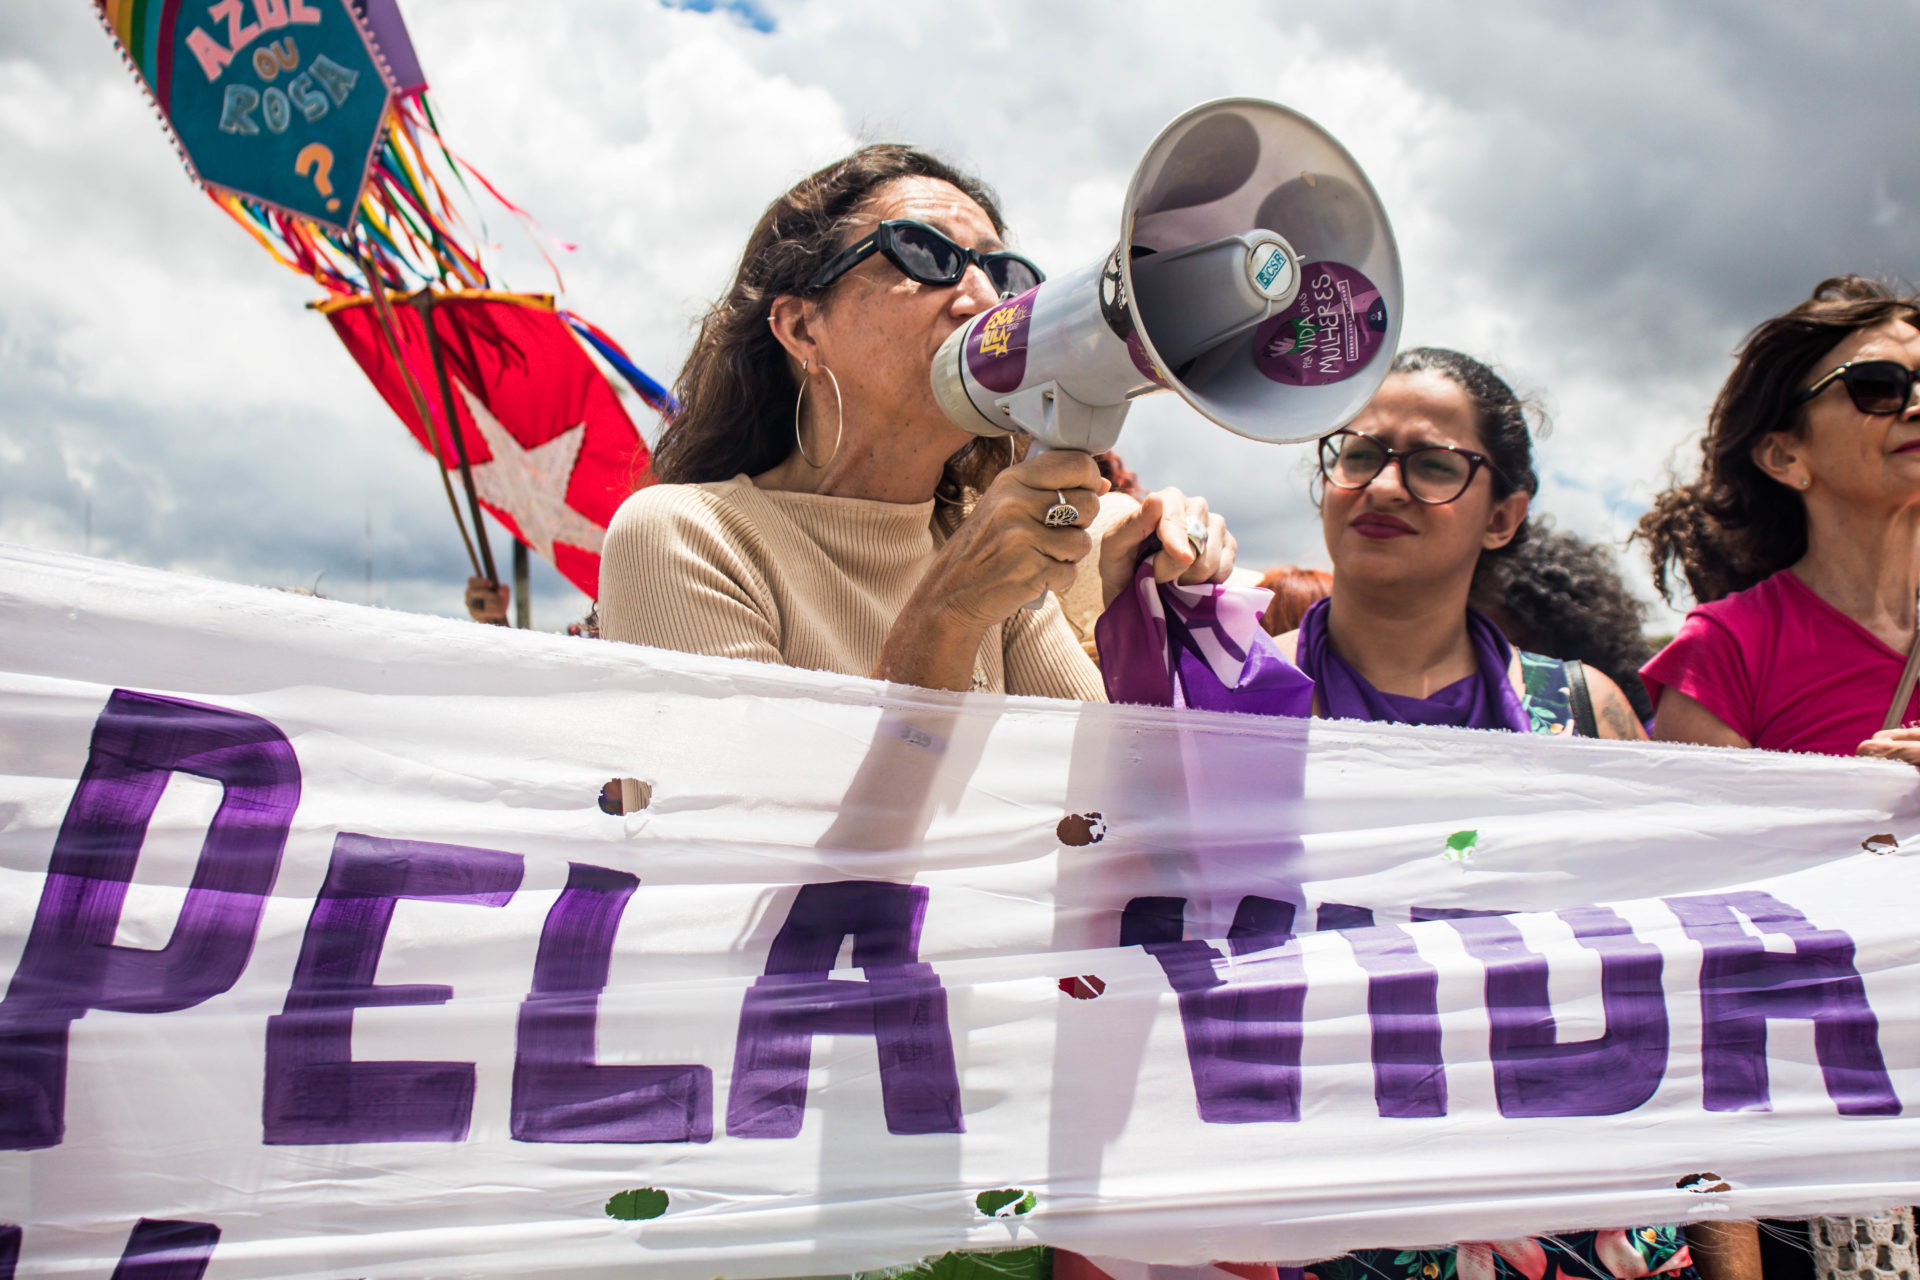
{"x":997,"y":347}
{"x":1331,"y":332}
{"x":1137,"y":352}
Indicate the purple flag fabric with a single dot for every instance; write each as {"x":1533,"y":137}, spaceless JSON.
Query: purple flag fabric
{"x":1174,"y":646}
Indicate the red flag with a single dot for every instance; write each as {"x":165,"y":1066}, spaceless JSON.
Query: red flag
{"x":552,"y":449}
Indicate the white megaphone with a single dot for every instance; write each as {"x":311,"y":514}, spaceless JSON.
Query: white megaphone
{"x":1256,"y":276}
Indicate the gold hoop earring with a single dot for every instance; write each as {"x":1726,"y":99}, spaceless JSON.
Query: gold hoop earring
{"x":840,"y":416}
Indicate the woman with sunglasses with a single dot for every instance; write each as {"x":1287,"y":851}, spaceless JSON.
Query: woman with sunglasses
{"x":818,"y":510}
{"x":1801,"y":538}
{"x":1421,"y":491}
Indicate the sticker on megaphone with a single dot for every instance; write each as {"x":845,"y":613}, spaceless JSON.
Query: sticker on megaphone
{"x":1332,"y":331}
{"x":997,"y":348}
{"x":1271,"y":270}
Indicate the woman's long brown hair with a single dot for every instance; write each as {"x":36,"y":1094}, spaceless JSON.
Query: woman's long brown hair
{"x":1735,"y":525}
{"x":737,"y":388}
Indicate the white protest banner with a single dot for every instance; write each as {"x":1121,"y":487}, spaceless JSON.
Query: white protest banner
{"x":325,"y":959}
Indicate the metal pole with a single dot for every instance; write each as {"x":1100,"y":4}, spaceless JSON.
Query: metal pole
{"x":423,"y":303}
{"x":522,"y":570}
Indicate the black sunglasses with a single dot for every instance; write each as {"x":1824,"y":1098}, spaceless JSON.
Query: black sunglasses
{"x":925,"y":255}
{"x":1877,"y":386}
{"x":1431,"y":473}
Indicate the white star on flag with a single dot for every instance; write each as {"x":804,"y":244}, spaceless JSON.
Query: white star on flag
{"x":531,"y":484}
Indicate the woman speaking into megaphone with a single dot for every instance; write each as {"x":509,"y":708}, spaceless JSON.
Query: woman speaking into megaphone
{"x":816,"y":507}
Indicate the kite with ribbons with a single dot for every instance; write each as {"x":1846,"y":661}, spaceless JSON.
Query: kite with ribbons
{"x":308,"y":123}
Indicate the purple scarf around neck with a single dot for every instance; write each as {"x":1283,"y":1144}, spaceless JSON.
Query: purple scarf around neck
{"x":1484,"y":700}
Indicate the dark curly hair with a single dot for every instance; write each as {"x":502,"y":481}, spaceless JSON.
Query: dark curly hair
{"x":1501,"y":417}
{"x":736,"y":390}
{"x":1735,"y":525}
{"x":1563,"y":596}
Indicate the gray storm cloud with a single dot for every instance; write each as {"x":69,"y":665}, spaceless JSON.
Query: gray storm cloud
{"x":1602,"y":199}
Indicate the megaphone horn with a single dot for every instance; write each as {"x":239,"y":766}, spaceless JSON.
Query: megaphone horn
{"x":1256,"y":277}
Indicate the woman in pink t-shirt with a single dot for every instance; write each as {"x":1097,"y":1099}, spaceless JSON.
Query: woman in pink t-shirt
{"x":1801,"y":541}
{"x":1800,"y":538}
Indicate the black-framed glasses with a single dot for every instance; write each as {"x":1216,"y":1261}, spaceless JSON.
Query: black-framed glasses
{"x":1876,"y":386}
{"x":926,"y":255}
{"x":1430,"y":473}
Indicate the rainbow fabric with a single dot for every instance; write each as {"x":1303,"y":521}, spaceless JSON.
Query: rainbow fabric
{"x":280,"y":102}
{"x":397,"y":229}
{"x":307,"y":122}
{"x":136,"y":24}
{"x":391,"y":217}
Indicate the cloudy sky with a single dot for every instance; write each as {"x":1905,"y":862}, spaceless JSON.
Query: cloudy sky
{"x":1599,"y":198}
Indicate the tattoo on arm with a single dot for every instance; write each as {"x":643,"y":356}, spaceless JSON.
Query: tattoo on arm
{"x":1617,"y":719}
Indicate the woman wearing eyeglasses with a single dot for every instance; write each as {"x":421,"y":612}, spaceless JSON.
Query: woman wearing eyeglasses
{"x":1421,"y":491}
{"x":1801,"y":538}
{"x":1432,"y":478}
{"x":818,"y":510}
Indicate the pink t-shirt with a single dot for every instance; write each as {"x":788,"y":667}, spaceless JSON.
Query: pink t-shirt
{"x":1783,"y":668}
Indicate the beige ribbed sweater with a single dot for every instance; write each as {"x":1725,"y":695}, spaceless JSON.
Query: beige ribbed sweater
{"x":801,"y":580}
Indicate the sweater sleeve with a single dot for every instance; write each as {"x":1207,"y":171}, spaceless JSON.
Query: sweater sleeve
{"x":1043,"y":658}
{"x":677,"y":572}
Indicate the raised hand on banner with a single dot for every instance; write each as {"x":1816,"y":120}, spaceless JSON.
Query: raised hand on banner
{"x":487,"y":601}
{"x":1013,"y":547}
{"x":1195,"y":544}
{"x":1902,"y":745}
{"x":1007,"y":552}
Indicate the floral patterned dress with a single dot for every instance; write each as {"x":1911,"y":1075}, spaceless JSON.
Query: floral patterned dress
{"x":1622,"y":1254}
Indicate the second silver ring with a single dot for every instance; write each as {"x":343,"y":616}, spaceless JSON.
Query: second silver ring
{"x":1197,"y":535}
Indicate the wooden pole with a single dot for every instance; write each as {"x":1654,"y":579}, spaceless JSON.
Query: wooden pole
{"x":385,"y":322}
{"x":423,"y":302}
{"x":522,"y":571}
{"x":1903,"y":688}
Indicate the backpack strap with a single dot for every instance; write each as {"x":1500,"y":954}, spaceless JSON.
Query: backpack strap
{"x":1585,"y":723}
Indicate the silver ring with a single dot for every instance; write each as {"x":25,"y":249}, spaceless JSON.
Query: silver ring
{"x":1061,"y":514}
{"x":1197,"y":535}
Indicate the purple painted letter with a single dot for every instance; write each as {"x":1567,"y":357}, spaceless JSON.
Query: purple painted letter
{"x":315,"y":1092}
{"x":1742,"y":985}
{"x":1403,"y":1014}
{"x":162,"y":1250}
{"x":1243,"y":1035}
{"x":901,"y":1005}
{"x":70,"y":963}
{"x":1534,"y":1073}
{"x":559,"y":1093}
